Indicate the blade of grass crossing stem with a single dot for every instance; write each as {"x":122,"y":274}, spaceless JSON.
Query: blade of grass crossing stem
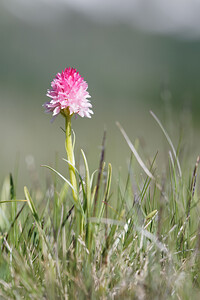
{"x":169,"y":141}
{"x":79,"y":175}
{"x":50,"y":168}
{"x":77,"y":205}
{"x":81,"y":208}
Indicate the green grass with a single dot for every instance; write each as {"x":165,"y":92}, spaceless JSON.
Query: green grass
{"x":136,"y":237}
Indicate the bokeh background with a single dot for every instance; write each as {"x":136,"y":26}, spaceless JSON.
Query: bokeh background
{"x":136,"y":56}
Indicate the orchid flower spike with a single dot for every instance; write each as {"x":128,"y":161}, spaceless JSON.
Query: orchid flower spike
{"x":69,"y":95}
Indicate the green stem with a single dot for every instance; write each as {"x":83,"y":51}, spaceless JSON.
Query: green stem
{"x":72,"y":174}
{"x":70,"y":156}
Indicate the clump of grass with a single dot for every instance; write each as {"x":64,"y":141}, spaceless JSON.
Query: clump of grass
{"x":130,"y":240}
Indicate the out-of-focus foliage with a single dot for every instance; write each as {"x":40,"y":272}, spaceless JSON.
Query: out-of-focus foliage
{"x":128,"y":72}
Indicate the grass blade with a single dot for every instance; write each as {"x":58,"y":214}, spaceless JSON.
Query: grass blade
{"x":100,"y":171}
{"x":67,"y":181}
{"x":31,"y":205}
{"x":169,"y":141}
{"x":141,"y":163}
{"x":87,"y":181}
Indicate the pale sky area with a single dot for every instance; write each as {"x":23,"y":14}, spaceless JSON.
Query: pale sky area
{"x":181,"y":17}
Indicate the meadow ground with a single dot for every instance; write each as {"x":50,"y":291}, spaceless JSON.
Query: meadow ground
{"x":134,"y":235}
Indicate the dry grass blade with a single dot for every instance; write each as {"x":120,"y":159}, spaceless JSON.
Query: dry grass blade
{"x":192,"y":186}
{"x":141,"y":163}
{"x":68,"y":215}
{"x":169,"y":141}
{"x":11,"y":226}
{"x":100,"y":171}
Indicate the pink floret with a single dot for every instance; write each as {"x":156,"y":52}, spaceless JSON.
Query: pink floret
{"x":69,"y":90}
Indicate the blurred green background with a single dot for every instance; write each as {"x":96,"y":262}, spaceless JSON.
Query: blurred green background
{"x":131,"y":67}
